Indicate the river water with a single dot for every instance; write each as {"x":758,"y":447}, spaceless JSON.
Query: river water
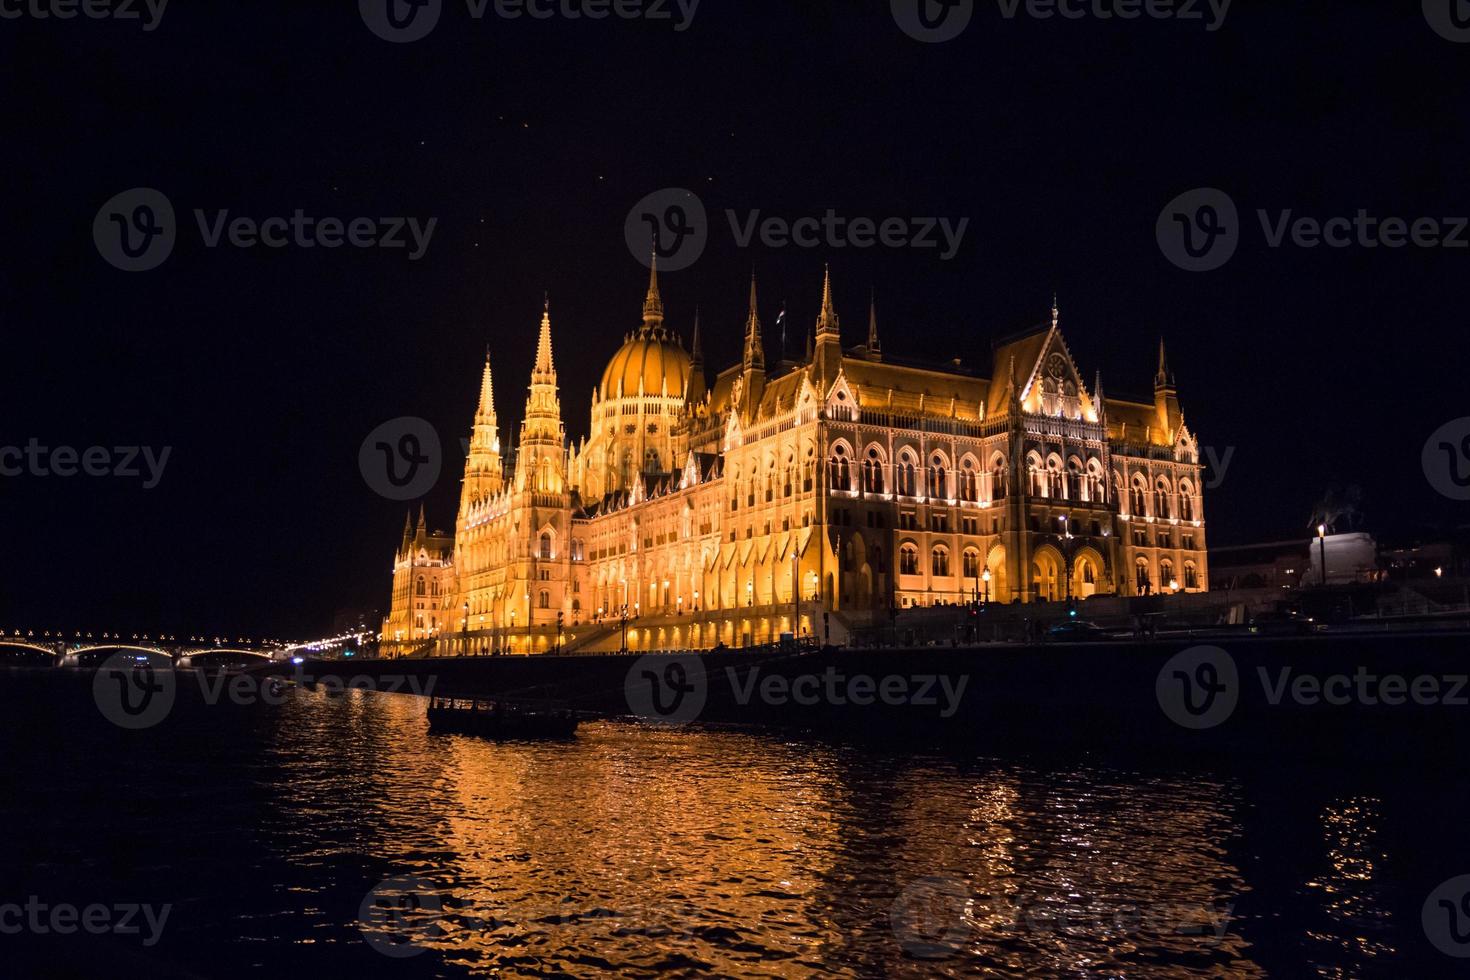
{"x":331,"y":833}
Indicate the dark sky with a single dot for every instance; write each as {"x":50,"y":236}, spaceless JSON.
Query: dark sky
{"x":1061,"y":141}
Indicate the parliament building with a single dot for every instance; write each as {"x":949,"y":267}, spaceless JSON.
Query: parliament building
{"x":816,"y":497}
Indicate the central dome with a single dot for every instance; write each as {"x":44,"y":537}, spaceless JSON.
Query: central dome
{"x":653,"y":360}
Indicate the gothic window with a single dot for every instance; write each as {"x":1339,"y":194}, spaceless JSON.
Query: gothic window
{"x":1140,"y":576}
{"x":937,"y":487}
{"x":1075,"y":489}
{"x":1161,"y":501}
{"x":1191,"y":576}
{"x":971,"y":563}
{"x":543,"y":599}
{"x":422,"y":586}
{"x":908,"y":560}
{"x":1166,"y":573}
{"x":1186,"y":502}
{"x":907,"y":476}
{"x":939,"y":561}
{"x":841,"y":475}
{"x":1136,"y":502}
{"x":545,"y":544}
{"x":998,"y":480}
{"x":873,"y":472}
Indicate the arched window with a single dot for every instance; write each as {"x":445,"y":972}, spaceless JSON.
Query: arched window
{"x":841,"y":475}
{"x":545,"y":544}
{"x":939,"y":561}
{"x":938,"y":485}
{"x":1166,"y":574}
{"x":1137,"y":495}
{"x":873,"y":472}
{"x":1186,"y":502}
{"x":969,"y":481}
{"x":1191,"y":576}
{"x":908,"y":560}
{"x":906,"y":476}
{"x":998,"y":479}
{"x":422,"y":586}
{"x":1140,"y":576}
{"x":971,"y":563}
{"x":543,"y":599}
{"x":1075,"y":489}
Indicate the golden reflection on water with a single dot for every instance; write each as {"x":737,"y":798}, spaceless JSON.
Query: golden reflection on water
{"x":637,"y":850}
{"x":1350,"y":887}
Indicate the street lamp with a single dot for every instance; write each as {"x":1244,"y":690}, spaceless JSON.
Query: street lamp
{"x":985,"y":577}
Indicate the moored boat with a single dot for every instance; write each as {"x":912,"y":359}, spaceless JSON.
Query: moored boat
{"x":497,"y":719}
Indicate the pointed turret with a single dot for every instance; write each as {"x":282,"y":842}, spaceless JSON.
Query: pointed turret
{"x":695,"y":390}
{"x":827,"y":355}
{"x":653,"y":304}
{"x":483,"y":468}
{"x":754,"y":358}
{"x":422,"y":526}
{"x":545,"y":371}
{"x":875,"y":350}
{"x":1056,"y":313}
{"x":407,"y":542}
{"x":1166,"y":401}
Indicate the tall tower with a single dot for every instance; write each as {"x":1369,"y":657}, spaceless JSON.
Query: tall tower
{"x":484,"y":473}
{"x":753,"y":361}
{"x":541,"y":456}
{"x":827,"y":357}
{"x":1166,"y":401}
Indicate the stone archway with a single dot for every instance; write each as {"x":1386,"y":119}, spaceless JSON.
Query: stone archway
{"x":1046,"y":574}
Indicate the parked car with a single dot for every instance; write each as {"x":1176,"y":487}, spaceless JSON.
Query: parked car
{"x":1077,"y":630}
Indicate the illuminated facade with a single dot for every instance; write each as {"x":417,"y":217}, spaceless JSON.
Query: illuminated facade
{"x":814,"y":497}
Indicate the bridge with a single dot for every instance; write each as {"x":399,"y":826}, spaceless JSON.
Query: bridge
{"x":17,"y":652}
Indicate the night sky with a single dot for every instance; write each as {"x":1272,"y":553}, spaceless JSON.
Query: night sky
{"x":530,"y":140}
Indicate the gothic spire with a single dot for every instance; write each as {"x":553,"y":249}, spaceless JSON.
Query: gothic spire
{"x":875,"y":350}
{"x":696,"y":349}
{"x":1056,"y":314}
{"x":486,"y":410}
{"x":653,"y":304}
{"x":544,"y":370}
{"x":1163,"y":378}
{"x":755,"y":357}
{"x":421,"y":524}
{"x":827,"y":319}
